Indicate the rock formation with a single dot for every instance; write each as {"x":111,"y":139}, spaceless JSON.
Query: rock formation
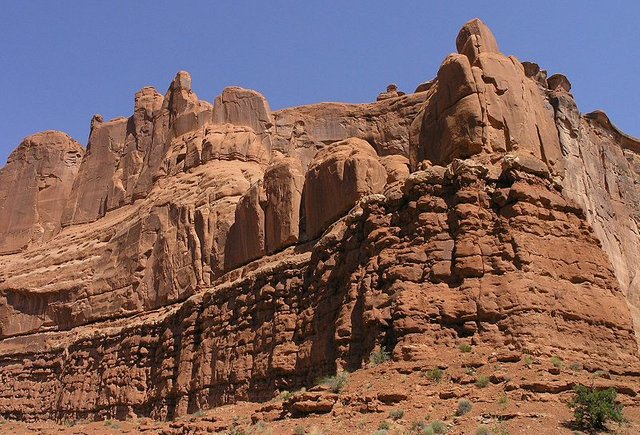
{"x":199,"y":254}
{"x":34,"y":184}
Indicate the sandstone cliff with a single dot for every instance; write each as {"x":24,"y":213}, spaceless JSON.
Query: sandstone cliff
{"x":198,"y":254}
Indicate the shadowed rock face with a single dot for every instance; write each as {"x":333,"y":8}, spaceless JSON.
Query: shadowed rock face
{"x":214,"y":253}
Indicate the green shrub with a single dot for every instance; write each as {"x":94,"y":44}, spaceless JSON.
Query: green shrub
{"x":435,"y":374}
{"x":285,"y":395}
{"x":482,"y":381}
{"x":380,"y":432}
{"x":299,"y":430}
{"x":396,"y":414}
{"x":482,"y":430}
{"x":465,"y":348}
{"x":503,"y":400}
{"x":377,"y":357}
{"x":528,"y":361}
{"x":438,"y":427}
{"x":557,"y":362}
{"x":384,"y":425}
{"x":464,"y":406}
{"x":593,"y":408}
{"x":335,"y":383}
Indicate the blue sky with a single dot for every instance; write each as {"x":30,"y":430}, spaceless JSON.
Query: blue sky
{"x":63,"y":61}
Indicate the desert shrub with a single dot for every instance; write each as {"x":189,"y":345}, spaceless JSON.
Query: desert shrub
{"x":557,"y":362}
{"x":380,"y":432}
{"x":482,"y":430}
{"x":465,"y":348}
{"x":417,"y":427}
{"x":593,"y":408}
{"x":576,"y":366}
{"x":438,"y":426}
{"x":335,"y":383}
{"x":482,"y":381}
{"x":384,"y":425}
{"x":377,"y":357}
{"x":435,"y":374}
{"x":503,"y":400}
{"x":285,"y":395}
{"x":464,"y":406}
{"x":396,"y":414}
{"x":528,"y":361}
{"x":299,"y":430}
{"x":470,"y":371}
{"x":602,"y":374}
{"x":236,"y":430}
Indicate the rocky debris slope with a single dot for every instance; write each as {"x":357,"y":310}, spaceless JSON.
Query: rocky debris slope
{"x":203,"y":254}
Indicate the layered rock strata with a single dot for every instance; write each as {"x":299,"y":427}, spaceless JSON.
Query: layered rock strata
{"x":199,"y":254}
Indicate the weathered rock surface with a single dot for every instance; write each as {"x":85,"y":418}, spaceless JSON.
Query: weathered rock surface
{"x":203,"y":254}
{"x":35,"y":182}
{"x":337,"y":178}
{"x":484,"y":105}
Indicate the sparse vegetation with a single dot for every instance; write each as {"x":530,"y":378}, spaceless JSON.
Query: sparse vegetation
{"x":198,"y":413}
{"x":482,"y":381}
{"x":528,"y":361}
{"x":464,"y":406}
{"x":466,"y":348}
{"x":592,"y":408}
{"x":396,"y":414}
{"x":503,"y":400}
{"x":417,"y":427}
{"x":482,"y":430}
{"x":377,"y":357}
{"x":602,"y":374}
{"x":435,"y":374}
{"x":470,"y":371}
{"x":285,"y":395}
{"x":380,"y":432}
{"x":261,"y":428}
{"x":576,"y":366}
{"x":557,"y":362}
{"x":335,"y":383}
{"x":299,"y":430}
{"x":438,"y":426}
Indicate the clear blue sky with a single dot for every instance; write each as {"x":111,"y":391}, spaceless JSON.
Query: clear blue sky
{"x":63,"y":61}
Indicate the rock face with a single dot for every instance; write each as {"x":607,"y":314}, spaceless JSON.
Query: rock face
{"x":337,"y":178}
{"x":484,"y":104}
{"x":199,"y":254}
{"x":36,"y":180}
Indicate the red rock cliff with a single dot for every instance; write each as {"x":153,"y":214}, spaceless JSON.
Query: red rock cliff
{"x":214,"y":253}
